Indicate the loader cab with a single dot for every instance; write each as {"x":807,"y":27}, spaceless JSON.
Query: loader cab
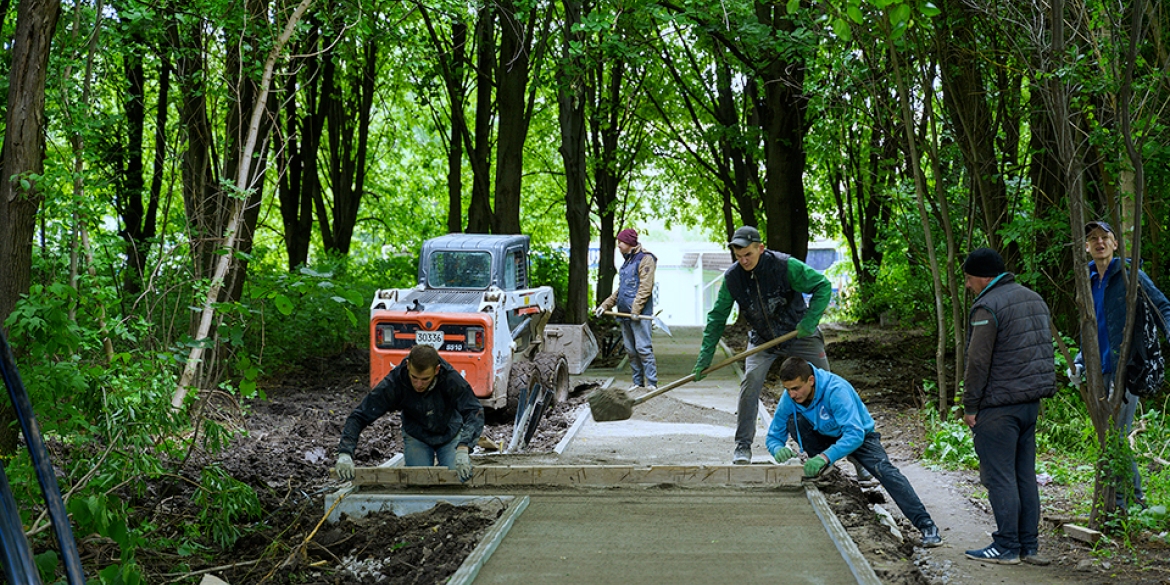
{"x":474,"y":262}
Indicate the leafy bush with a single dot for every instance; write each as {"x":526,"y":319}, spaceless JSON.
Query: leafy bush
{"x":550,"y":267}
{"x":948,"y":442}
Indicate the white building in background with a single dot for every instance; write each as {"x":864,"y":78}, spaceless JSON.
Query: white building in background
{"x":689,"y":275}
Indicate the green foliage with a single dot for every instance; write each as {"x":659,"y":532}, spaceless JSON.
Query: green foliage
{"x":286,"y":317}
{"x":224,"y":503}
{"x":550,"y":267}
{"x":948,"y":441}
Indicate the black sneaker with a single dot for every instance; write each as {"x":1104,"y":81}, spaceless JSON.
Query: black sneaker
{"x":931,"y":537}
{"x":1032,"y":557}
{"x":742,"y":455}
{"x":994,"y":554}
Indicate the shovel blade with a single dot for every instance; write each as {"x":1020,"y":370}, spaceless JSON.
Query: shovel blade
{"x":659,"y":323}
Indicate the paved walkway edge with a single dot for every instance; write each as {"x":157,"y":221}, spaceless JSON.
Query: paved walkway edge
{"x":487,"y":545}
{"x":861,"y":568}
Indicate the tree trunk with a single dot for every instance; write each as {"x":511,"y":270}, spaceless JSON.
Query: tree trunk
{"x":479,"y":214}
{"x":782,"y":122}
{"x":199,"y":178}
{"x":348,"y":146}
{"x":964,"y":92}
{"x":920,"y":192}
{"x":23,"y":149}
{"x":512,"y":85}
{"x":249,"y":147}
{"x":571,"y":114}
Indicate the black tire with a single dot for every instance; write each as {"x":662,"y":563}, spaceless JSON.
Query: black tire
{"x":554,"y":375}
{"x":523,"y":375}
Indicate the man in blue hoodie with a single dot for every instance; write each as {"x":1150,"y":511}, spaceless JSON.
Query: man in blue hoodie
{"x":823,"y":414}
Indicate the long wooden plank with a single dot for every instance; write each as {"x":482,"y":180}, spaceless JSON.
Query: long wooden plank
{"x":581,"y":475}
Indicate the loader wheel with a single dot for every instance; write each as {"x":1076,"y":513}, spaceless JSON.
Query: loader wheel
{"x":554,"y":374}
{"x":523,"y":376}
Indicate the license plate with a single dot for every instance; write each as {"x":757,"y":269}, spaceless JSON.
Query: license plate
{"x":431,"y":338}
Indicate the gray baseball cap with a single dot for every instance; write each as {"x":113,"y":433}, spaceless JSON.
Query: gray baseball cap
{"x":744,"y":236}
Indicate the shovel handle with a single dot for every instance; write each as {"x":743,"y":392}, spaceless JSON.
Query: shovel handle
{"x":628,"y":316}
{"x":719,"y":366}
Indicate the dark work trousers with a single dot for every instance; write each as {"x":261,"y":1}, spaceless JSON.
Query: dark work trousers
{"x":872,"y":456}
{"x":1005,"y":440}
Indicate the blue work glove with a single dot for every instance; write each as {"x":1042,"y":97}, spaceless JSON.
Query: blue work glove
{"x":344,"y":467}
{"x":783,"y":454}
{"x":814,"y":465}
{"x":463,"y":464}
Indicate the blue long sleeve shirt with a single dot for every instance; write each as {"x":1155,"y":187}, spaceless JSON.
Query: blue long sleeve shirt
{"x":835,"y":411}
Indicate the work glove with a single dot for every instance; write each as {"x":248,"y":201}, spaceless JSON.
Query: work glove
{"x":1076,"y":373}
{"x":598,"y":311}
{"x":703,"y":363}
{"x":463,"y":464}
{"x":344,"y":467}
{"x":814,"y":465}
{"x":783,"y":454}
{"x":805,"y":330}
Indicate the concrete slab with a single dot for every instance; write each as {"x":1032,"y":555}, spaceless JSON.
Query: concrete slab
{"x":678,"y":538}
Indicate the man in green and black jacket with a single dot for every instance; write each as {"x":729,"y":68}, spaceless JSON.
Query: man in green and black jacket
{"x":769,"y":288}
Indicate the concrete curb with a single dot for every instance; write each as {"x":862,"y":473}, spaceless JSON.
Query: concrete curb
{"x":857,"y":562}
{"x":469,"y":570}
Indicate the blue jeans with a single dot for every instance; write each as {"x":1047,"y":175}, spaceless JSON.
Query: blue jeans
{"x":755,"y":368}
{"x":1005,"y":440}
{"x":872,"y":456}
{"x":419,"y":454}
{"x":636,"y":335}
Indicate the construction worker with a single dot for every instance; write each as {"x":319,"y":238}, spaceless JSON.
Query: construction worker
{"x":769,"y":288}
{"x":441,"y":417}
{"x":826,"y":418}
{"x":635,"y":295}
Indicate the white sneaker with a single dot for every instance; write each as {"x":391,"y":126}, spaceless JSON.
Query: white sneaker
{"x":634,"y":388}
{"x":650,"y":388}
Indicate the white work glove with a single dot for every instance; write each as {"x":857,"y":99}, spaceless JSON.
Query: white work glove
{"x":599,"y":311}
{"x":344,"y":467}
{"x":463,"y":464}
{"x":1076,"y":374}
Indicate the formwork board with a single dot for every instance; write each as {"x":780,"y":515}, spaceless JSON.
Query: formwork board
{"x":582,"y":475}
{"x":710,"y":537}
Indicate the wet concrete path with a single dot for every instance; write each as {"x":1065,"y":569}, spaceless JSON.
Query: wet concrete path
{"x":669,"y":534}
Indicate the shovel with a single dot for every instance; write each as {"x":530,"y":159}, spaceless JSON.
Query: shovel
{"x":613,"y":404}
{"x":657,"y":322}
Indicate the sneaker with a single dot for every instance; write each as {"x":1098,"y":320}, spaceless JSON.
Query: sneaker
{"x":634,"y":388}
{"x":930,"y":537}
{"x":994,"y":554}
{"x":743,"y":455}
{"x":1032,"y":557}
{"x":650,"y":388}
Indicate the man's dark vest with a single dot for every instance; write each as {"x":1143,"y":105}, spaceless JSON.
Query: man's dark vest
{"x":765,"y":297}
{"x":1021,"y":363}
{"x":628,"y":281}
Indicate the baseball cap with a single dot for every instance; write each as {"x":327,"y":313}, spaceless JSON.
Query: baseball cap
{"x":1092,"y":225}
{"x":744,"y":236}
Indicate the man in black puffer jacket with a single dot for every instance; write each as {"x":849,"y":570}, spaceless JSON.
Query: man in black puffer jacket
{"x":1009,"y":369}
